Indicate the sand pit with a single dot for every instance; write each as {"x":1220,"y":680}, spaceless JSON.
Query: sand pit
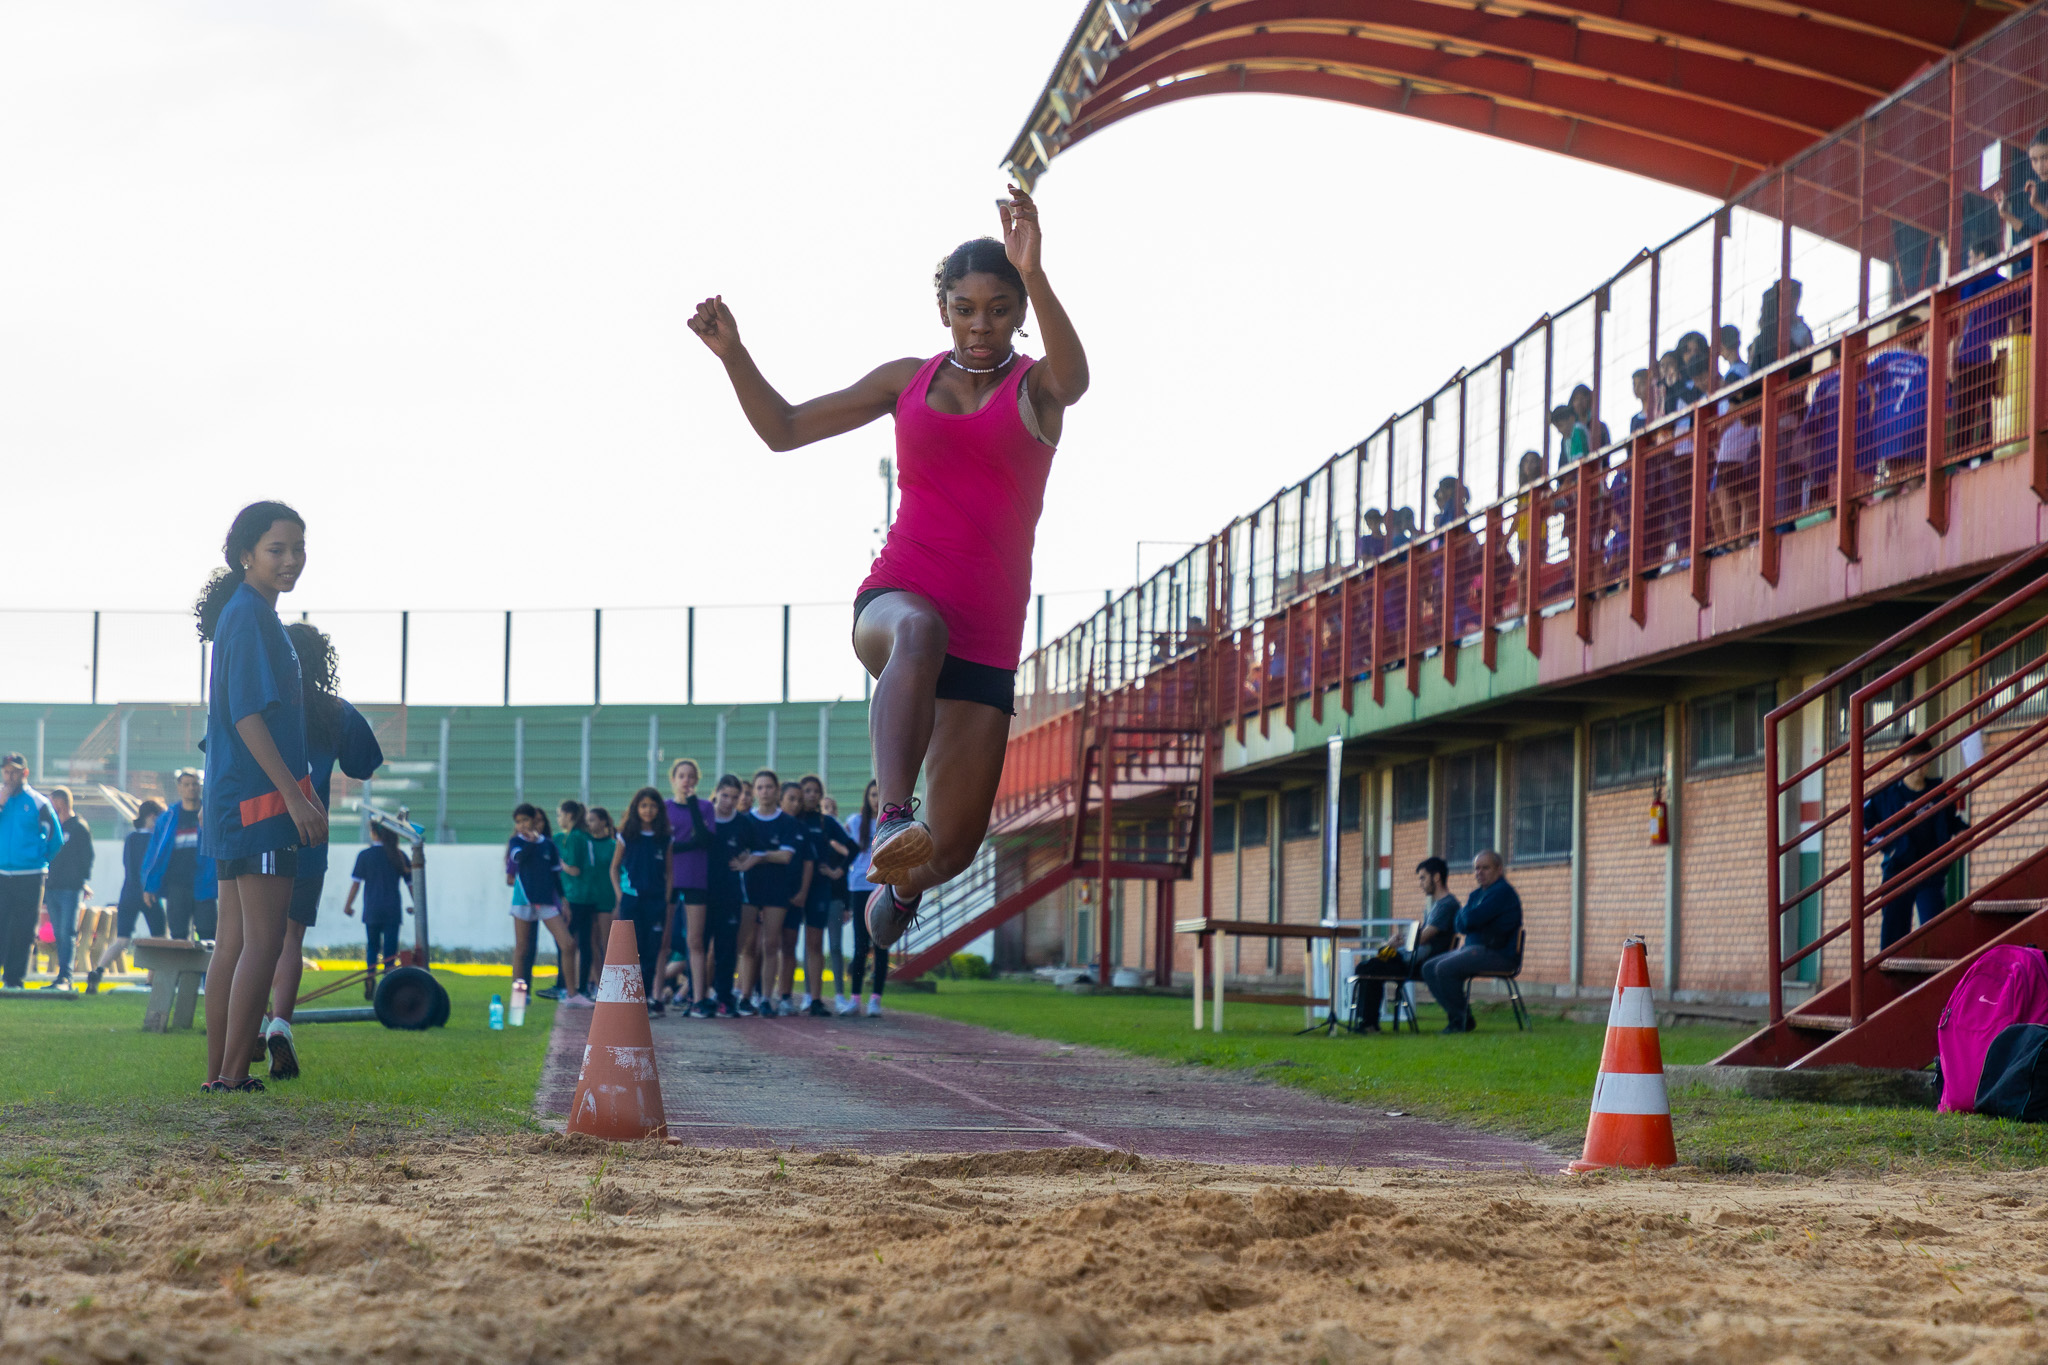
{"x":558,"y":1249}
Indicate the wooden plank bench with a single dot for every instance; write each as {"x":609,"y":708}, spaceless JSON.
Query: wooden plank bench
{"x":176,"y":968}
{"x":1205,"y":927}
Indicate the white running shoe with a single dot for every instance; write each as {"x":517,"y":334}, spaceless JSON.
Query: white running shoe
{"x":874,"y":1007}
{"x":785,"y":1009}
{"x":804,"y":1003}
{"x":284,"y":1057}
{"x":578,"y":1001}
{"x":841,"y":1005}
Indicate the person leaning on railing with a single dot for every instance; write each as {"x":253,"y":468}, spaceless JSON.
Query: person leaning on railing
{"x":1906,"y":846}
{"x":1491,"y":922}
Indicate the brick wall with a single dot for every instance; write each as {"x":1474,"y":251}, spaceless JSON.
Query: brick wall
{"x":1411,"y":846}
{"x":1624,"y":882}
{"x":1722,"y":909}
{"x":1248,"y":957}
{"x":1301,"y":896}
{"x":1546,"y":892}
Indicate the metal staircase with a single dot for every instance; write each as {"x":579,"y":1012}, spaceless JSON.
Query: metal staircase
{"x":1982,"y":718}
{"x":1112,"y":790}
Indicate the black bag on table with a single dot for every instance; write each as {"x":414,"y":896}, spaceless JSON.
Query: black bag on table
{"x":2015,"y":1080}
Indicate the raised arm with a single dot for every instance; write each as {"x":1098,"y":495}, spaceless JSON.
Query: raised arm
{"x":781,"y":424}
{"x":1058,"y":381}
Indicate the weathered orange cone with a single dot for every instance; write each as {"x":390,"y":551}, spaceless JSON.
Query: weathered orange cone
{"x":1631,"y":1121}
{"x":618,"y":1096}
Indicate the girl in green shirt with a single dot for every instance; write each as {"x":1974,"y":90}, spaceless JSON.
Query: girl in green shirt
{"x":593,"y":898}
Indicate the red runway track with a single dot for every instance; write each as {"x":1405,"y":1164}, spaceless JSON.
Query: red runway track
{"x":912,"y":1083}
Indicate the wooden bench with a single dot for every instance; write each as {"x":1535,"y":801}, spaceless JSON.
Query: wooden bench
{"x":1208,"y":931}
{"x":176,"y":968}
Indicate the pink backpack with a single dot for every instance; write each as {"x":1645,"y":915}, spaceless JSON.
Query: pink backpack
{"x":2007,"y":985}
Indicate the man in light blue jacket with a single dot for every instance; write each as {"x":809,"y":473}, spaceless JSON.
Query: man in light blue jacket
{"x":29,"y":834}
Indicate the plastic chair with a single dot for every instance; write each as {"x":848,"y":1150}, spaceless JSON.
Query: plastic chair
{"x":1514,"y":987}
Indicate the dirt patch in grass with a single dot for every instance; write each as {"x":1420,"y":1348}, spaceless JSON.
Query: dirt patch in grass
{"x":522,"y":1246}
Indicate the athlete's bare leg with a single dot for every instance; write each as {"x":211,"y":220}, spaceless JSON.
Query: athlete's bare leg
{"x":961,"y":769}
{"x":291,"y":968}
{"x":901,"y":641}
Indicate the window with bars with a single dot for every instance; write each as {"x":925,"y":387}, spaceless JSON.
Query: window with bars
{"x":1543,"y":799}
{"x":1728,"y":729}
{"x":1411,"y":792}
{"x":1468,"y":805}
{"x":1628,"y":749}
{"x":2016,"y":668}
{"x":1251,"y":822}
{"x":1301,"y":814}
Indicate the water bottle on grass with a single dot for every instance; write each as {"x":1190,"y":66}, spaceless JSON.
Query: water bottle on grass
{"x":519,"y":1004}
{"x":497,"y":1012}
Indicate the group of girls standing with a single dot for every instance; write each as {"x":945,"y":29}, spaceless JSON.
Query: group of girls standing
{"x":731,"y":893}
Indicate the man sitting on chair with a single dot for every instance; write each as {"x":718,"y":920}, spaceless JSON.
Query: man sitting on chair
{"x":1491,"y":923}
{"x":1433,"y":875}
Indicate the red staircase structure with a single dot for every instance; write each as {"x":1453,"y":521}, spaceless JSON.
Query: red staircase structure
{"x":1110,"y":790}
{"x":1882,"y":1007}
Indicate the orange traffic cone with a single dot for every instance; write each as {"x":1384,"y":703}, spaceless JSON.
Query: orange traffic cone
{"x":618,"y":1096}
{"x":1631,"y":1121}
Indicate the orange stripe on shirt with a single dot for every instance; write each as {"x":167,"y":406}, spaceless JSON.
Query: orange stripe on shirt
{"x":271,"y":803}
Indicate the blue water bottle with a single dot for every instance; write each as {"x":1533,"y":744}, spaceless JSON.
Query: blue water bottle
{"x":497,"y":1012}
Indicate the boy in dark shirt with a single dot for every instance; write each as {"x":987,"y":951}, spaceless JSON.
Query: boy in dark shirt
{"x":825,"y":906}
{"x":1432,"y":876}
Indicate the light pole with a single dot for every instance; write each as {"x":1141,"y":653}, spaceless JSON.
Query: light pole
{"x":887,"y":469}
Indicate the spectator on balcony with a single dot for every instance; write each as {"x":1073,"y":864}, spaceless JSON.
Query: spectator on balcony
{"x":1763,"y":352}
{"x":1401,"y":527}
{"x":1438,"y":931}
{"x":2025,"y":210}
{"x":1491,"y":923}
{"x":1451,"y":497}
{"x":1582,"y":408}
{"x":1679,"y":392}
{"x":1373,"y":543}
{"x":1531,"y":469}
{"x":1975,"y":363}
{"x":1694,"y":359}
{"x":1639,"y":383}
{"x":1732,"y":368}
{"x":1926,"y":830}
{"x":1572,"y":436}
{"x":1732,"y":490}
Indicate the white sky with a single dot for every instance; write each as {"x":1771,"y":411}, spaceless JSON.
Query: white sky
{"x":420,"y":269}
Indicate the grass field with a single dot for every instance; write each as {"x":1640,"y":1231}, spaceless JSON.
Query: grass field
{"x":84,"y":1088}
{"x":1535,"y":1084}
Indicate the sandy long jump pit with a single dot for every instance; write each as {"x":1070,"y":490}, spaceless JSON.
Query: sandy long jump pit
{"x":771,"y":1247}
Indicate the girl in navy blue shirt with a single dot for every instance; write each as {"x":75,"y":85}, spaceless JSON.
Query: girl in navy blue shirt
{"x":640,"y":873}
{"x":772,"y":872}
{"x":378,"y":874}
{"x":259,"y":803}
{"x":533,"y":869}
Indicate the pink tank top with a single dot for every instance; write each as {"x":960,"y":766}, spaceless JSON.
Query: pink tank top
{"x":973,"y":487}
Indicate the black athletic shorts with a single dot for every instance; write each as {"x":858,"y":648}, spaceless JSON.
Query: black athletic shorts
{"x":125,"y":915}
{"x":960,"y":680}
{"x":278,"y":862}
{"x":305,"y":907}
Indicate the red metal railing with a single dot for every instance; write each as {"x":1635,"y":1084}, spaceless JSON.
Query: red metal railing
{"x":1983,"y":700}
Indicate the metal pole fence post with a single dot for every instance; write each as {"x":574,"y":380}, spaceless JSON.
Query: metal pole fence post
{"x":653,"y":744}
{"x":121,"y":774}
{"x":519,"y":758}
{"x":404,"y":651}
{"x":583,"y":765}
{"x":690,"y":658}
{"x":718,"y":757}
{"x":773,"y":718}
{"x":41,"y":722}
{"x":596,"y":663}
{"x":441,"y":833}
{"x":508,"y":660}
{"x":785,"y":652}
{"x":825,"y":745}
{"x":363,"y":805}
{"x":95,"y":658}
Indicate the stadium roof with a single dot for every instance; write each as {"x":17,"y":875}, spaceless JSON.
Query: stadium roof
{"x":1704,"y":94}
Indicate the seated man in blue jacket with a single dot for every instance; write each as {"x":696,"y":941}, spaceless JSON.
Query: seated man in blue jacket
{"x":1491,"y":922}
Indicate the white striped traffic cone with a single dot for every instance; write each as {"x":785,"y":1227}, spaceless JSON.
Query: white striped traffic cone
{"x":618,"y":1096}
{"x":1630,"y":1125}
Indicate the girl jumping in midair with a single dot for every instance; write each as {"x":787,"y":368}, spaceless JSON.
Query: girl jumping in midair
{"x":940,"y":620}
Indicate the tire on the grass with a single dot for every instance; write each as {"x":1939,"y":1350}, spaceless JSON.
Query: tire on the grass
{"x":439,"y":1017}
{"x":408,"y":997}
